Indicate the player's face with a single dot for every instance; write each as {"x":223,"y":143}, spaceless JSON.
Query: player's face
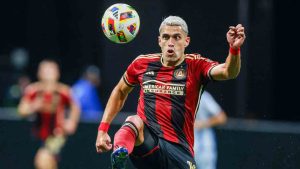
{"x":173,"y":41}
{"x":48,"y":71}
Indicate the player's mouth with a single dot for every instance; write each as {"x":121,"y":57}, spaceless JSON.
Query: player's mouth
{"x":170,"y":52}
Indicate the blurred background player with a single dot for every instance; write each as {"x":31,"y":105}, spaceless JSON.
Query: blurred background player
{"x":56,"y":113}
{"x":85,"y":93}
{"x":209,"y":114}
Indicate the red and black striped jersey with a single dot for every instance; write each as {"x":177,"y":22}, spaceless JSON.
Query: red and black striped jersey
{"x":51,"y":117}
{"x":169,"y":96}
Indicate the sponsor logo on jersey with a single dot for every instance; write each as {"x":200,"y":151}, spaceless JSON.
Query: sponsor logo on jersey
{"x":155,"y":86}
{"x":150,"y":73}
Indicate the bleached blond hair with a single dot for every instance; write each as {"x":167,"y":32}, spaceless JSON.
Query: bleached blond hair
{"x":174,"y":21}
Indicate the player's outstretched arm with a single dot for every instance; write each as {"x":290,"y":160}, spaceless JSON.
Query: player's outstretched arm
{"x":231,"y":68}
{"x":113,"y":106}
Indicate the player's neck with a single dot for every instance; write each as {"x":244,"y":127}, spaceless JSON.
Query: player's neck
{"x":172,"y":63}
{"x":49,"y":85}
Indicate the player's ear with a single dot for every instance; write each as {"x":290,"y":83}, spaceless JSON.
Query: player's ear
{"x":159,"y":40}
{"x":187,"y":41}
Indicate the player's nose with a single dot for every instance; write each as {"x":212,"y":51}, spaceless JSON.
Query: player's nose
{"x":170,"y":43}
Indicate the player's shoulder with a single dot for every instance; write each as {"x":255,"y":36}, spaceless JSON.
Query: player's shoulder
{"x":63,"y":88}
{"x":147,"y":57}
{"x":33,"y":87}
{"x":196,"y":57}
{"x":193,"y":56}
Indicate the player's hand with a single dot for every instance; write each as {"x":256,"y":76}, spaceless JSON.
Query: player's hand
{"x":37,"y":104}
{"x":199,"y":125}
{"x":70,"y":127}
{"x":236,"y":36}
{"x":103,"y":142}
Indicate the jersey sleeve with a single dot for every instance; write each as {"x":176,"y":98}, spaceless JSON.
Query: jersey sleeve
{"x":30,"y":93}
{"x":66,"y":94}
{"x":131,"y":75}
{"x":204,"y":66}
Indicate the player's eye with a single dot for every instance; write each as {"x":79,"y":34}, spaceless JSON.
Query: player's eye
{"x":177,"y":37}
{"x":165,"y":37}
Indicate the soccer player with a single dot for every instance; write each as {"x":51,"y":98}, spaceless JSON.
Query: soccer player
{"x":51,"y":102}
{"x":210,"y":114}
{"x":161,"y":135}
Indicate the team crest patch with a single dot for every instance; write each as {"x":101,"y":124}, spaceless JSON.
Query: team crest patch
{"x":180,"y":74}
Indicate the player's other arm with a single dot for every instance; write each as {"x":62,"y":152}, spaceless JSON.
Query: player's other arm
{"x":72,"y":121}
{"x":231,"y":68}
{"x":216,"y":120}
{"x":29,"y":106}
{"x":116,"y":101}
{"x":113,"y":106}
{"x":24,"y":108}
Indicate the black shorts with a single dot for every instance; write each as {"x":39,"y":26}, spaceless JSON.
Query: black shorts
{"x":158,"y":153}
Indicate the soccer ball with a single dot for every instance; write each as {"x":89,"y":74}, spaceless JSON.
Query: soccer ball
{"x":120,"y":23}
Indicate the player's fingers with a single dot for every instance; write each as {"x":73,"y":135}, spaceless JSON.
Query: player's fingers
{"x":241,"y":34}
{"x":104,"y":146}
{"x":232,"y":27}
{"x":239,"y":26}
{"x":241,"y":29}
{"x":231,"y":32}
{"x":108,"y":146}
{"x":241,"y":37}
{"x":101,"y":149}
{"x":98,"y":149}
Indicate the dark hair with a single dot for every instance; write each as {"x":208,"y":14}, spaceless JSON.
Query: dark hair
{"x":93,"y":69}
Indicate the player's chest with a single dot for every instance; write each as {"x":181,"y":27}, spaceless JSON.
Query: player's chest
{"x":164,"y":75}
{"x":165,"y":81}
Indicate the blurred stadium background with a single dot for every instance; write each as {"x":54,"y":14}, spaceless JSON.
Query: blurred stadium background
{"x":263,"y":131}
